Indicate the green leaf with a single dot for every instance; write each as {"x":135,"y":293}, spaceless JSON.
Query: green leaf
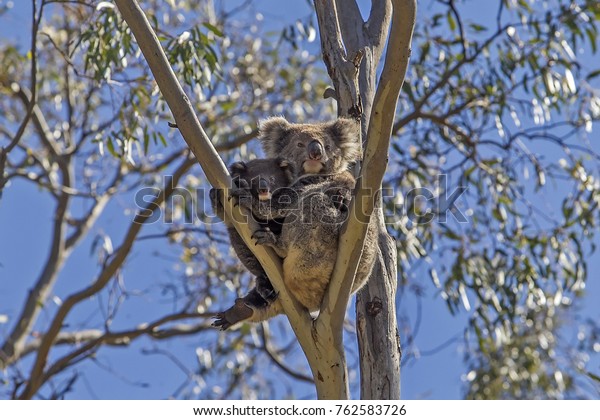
{"x":478,"y":28}
{"x":451,"y":21}
{"x":593,"y":75}
{"x":591,"y":33}
{"x":593,"y":376}
{"x":111,"y":147}
{"x":524,"y":5}
{"x":214,"y":29}
{"x":146,"y":142}
{"x":469,"y":171}
{"x":162,"y":139}
{"x":567,"y":212}
{"x":451,"y":234}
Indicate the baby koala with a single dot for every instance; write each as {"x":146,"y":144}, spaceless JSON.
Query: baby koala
{"x":260,"y":178}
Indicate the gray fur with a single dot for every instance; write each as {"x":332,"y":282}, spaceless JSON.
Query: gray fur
{"x":277,"y":173}
{"x":309,"y":238}
{"x":314,"y":209}
{"x":339,"y":138}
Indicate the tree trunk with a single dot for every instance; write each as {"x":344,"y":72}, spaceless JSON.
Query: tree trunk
{"x":352,"y":49}
{"x":376,"y":327}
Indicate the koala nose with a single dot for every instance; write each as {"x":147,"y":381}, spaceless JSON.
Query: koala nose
{"x":263,"y":186}
{"x":315,"y":150}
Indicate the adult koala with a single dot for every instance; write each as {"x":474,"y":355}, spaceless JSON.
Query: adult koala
{"x":313,"y":208}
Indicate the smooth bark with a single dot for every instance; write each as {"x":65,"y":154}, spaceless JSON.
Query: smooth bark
{"x":355,"y":91}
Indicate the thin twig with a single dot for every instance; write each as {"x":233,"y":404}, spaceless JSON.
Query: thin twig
{"x":37,"y":376}
{"x":4,"y":151}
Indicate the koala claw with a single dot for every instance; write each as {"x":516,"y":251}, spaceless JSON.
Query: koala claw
{"x":237,"y":313}
{"x":220,"y":322}
{"x":238,"y":194}
{"x":240,"y":197}
{"x":240,"y":187}
{"x":340,"y":202}
{"x":264,"y":237}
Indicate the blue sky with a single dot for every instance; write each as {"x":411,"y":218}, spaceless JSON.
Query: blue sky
{"x":26,"y":214}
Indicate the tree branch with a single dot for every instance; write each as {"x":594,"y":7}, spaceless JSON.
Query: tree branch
{"x":39,"y":293}
{"x":443,"y":80}
{"x":39,"y":120}
{"x":237,"y":142}
{"x":85,"y":224}
{"x":351,"y":24}
{"x":123,"y":338}
{"x":342,"y":64}
{"x":95,"y":338}
{"x":278,"y":360}
{"x":463,"y":40}
{"x":372,"y":172}
{"x":378,"y":23}
{"x":37,"y":372}
{"x":381,"y":119}
{"x":353,"y":73}
{"x":4,"y":151}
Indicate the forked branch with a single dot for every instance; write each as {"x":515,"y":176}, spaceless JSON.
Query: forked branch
{"x":378,"y":141}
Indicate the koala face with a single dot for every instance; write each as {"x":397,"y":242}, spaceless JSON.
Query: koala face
{"x":324,"y":148}
{"x":263,"y":176}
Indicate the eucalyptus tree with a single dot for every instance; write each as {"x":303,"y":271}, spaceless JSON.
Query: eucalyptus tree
{"x":503,"y":104}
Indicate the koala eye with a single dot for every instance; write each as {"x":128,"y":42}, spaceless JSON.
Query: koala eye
{"x":327,"y":147}
{"x":300,"y":144}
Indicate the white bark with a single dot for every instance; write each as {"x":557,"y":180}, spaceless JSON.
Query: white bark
{"x":380,"y":358}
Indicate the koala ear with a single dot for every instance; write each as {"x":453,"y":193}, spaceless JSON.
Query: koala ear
{"x":238,"y":168}
{"x":346,"y":133}
{"x":283,"y":163}
{"x":288,"y":169}
{"x":270,"y":133}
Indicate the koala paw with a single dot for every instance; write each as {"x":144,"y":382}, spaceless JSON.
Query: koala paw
{"x":265,"y":289}
{"x":341,"y":202}
{"x":340,"y":198}
{"x":264,"y":237}
{"x":237,"y":313}
{"x":215,"y":201}
{"x":240,"y":192}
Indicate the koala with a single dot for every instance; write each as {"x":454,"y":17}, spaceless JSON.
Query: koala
{"x":260,"y":178}
{"x":325,"y":148}
{"x":313,"y":209}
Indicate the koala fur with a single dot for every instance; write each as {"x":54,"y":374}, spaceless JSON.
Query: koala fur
{"x":313,"y":209}
{"x":336,"y":144}
{"x":260,"y":178}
